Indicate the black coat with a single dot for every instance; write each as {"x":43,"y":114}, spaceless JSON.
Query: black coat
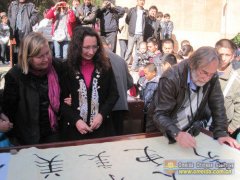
{"x":108,"y":95}
{"x":21,"y":104}
{"x":170,"y":95}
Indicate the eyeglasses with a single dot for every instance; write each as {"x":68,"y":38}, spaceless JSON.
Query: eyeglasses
{"x":88,"y":48}
{"x":202,"y":72}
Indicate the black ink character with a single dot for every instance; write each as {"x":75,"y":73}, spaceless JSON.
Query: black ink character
{"x":50,"y":166}
{"x":211,"y":158}
{"x":101,"y":160}
{"x":148,"y":157}
{"x":151,"y":158}
{"x":113,"y":177}
{"x":2,"y":165}
{"x":168,"y":175}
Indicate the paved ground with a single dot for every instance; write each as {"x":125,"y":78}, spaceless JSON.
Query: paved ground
{"x":4,"y":67}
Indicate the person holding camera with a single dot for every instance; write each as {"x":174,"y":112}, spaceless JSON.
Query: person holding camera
{"x":63,"y":23}
{"x":109,"y":16}
{"x":182,"y":94}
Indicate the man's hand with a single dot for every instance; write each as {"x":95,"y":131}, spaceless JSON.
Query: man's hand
{"x":97,"y":121}
{"x":82,"y":127}
{"x":112,"y":6}
{"x":106,"y":4}
{"x":185,"y":140}
{"x":232,"y":142}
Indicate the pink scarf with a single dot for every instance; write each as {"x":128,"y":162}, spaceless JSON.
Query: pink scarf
{"x":54,"y":97}
{"x":53,"y":92}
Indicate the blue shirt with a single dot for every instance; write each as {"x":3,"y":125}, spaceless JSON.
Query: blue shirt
{"x":191,"y":84}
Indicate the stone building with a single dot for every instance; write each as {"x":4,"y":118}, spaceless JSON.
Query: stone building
{"x":203,"y":22}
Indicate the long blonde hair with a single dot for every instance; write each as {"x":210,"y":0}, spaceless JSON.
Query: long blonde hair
{"x":30,"y":47}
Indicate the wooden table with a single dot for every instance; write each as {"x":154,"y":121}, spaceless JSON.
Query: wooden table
{"x":82,"y":142}
{"x":92,"y":141}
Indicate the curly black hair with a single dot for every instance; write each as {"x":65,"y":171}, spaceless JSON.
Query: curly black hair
{"x":100,"y":59}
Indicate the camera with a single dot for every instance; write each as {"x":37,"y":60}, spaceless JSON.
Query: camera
{"x":196,"y":127}
{"x":62,"y":4}
{"x":108,"y":4}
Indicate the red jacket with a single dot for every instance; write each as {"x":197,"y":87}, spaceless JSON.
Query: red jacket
{"x":71,"y":19}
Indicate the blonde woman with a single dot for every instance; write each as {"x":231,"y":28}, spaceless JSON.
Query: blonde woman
{"x":31,"y":96}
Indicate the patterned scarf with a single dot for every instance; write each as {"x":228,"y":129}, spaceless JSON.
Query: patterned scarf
{"x":83,"y":99}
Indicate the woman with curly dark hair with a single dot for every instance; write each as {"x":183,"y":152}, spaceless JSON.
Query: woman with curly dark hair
{"x":90,"y":82}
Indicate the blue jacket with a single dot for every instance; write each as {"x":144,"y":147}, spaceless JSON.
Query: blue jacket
{"x":148,"y":91}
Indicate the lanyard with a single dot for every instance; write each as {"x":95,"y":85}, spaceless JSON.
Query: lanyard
{"x":190,"y":102}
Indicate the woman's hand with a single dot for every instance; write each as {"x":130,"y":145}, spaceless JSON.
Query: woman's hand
{"x":68,"y":100}
{"x":97,"y":121}
{"x":5,"y":124}
{"x":82,"y":127}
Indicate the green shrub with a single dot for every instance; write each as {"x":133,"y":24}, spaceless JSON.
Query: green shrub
{"x":236,"y":40}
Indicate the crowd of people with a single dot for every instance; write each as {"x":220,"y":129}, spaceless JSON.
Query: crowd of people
{"x":69,"y":84}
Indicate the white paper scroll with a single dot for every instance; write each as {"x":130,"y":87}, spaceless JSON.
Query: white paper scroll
{"x":4,"y":162}
{"x":142,"y":159}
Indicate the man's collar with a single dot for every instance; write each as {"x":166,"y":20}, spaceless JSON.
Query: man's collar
{"x":190,"y":83}
{"x":226,"y":73}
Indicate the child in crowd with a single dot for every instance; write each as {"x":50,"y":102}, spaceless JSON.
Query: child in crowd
{"x":167,"y":28}
{"x":168,"y":46}
{"x":152,"y":50}
{"x":141,"y":57}
{"x":159,"y":16}
{"x":152,"y":47}
{"x":186,"y":51}
{"x":168,"y":60}
{"x":150,"y":84}
{"x":184,"y":42}
{"x":148,"y":87}
{"x":4,"y":38}
{"x":5,"y":126}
